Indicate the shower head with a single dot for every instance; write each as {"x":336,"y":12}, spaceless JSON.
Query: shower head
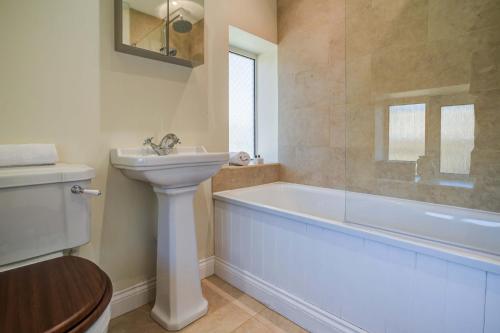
{"x":182,"y":25}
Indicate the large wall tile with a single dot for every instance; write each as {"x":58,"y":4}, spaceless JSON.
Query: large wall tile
{"x":312,"y":82}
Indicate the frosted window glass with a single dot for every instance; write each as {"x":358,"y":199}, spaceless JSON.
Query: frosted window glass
{"x":406,"y":132}
{"x":241,"y":104}
{"x":457,"y":138}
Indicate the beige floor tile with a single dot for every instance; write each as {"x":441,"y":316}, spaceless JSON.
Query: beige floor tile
{"x":277,"y":322}
{"x":250,"y":304}
{"x":224,"y":320}
{"x":223,"y":285}
{"x":137,"y":321}
{"x":230,"y":293}
{"x":252,"y":325}
{"x":215,"y":299}
{"x":229,"y":310}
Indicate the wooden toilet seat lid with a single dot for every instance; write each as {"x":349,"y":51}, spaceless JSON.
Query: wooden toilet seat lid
{"x":66,"y":294}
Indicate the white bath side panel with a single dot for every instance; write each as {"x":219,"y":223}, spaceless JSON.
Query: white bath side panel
{"x":225,"y":230}
{"x":380,"y":289}
{"x":492,"y":315}
{"x":246,"y":240}
{"x":347,"y":264}
{"x":334,"y":275}
{"x":257,"y":254}
{"x":342,"y":250}
{"x":283,"y":238}
{"x":375,"y":286}
{"x":429,"y":303}
{"x":316,"y":271}
{"x":371,"y":287}
{"x":273,"y":258}
{"x":400,"y":289}
{"x":388,"y":293}
{"x":218,"y":212}
{"x":465,"y":299}
{"x":270,"y":263}
{"x":235,"y":239}
{"x":220,"y":241}
{"x":291,"y":254}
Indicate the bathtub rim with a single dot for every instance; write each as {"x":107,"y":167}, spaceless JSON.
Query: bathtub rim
{"x":452,"y":253}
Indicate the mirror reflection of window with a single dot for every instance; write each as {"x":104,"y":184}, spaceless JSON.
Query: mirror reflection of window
{"x":406,"y":132}
{"x":457,"y":138}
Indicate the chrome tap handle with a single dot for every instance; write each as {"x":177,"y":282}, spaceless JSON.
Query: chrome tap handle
{"x":148,"y":141}
{"x":169,"y":141}
{"x":77,"y":189}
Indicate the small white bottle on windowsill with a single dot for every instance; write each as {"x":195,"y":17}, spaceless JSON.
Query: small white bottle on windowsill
{"x":258,"y":160}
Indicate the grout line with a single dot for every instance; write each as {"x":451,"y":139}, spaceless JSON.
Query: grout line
{"x":267,"y":322}
{"x":243,"y":323}
{"x":230,"y":298}
{"x":254,"y":314}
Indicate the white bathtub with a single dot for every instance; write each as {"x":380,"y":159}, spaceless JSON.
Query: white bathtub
{"x":462,"y":227}
{"x":286,"y":245}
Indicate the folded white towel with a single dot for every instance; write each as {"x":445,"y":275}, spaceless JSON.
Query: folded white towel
{"x":28,"y":154}
{"x":240,"y":158}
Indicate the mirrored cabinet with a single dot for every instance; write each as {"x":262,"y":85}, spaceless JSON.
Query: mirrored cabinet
{"x":165,"y":30}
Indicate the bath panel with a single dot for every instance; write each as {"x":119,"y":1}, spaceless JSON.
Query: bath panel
{"x":358,"y":278}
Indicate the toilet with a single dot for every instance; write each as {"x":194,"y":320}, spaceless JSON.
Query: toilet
{"x":44,"y":214}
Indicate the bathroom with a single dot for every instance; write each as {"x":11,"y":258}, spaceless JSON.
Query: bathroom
{"x":374,"y":205}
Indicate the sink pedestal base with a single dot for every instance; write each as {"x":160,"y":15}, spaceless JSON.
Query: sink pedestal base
{"x":179,"y":300}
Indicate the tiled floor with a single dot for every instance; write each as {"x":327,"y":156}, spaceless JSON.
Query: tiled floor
{"x":229,"y":310}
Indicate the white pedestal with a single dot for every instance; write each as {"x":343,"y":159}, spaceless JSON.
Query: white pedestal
{"x":179,"y":300}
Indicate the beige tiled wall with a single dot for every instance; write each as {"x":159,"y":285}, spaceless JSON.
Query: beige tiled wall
{"x":312,"y":91}
{"x":233,"y":177}
{"x":342,"y":66}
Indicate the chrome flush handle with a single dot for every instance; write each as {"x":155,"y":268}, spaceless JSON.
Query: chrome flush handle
{"x":77,"y":189}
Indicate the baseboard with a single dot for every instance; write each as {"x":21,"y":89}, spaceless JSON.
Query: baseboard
{"x":207,"y":267}
{"x":131,"y":298}
{"x":304,"y":314}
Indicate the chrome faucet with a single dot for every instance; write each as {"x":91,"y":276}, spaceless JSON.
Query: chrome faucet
{"x":166,"y":145}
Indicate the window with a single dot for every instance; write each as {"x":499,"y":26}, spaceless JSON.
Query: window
{"x":457,"y":138}
{"x":406,"y":132}
{"x":241,"y":103}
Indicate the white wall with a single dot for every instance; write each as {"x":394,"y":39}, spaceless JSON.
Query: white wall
{"x":62,"y":82}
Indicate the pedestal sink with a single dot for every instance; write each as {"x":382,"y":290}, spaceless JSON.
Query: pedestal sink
{"x":174,"y":178}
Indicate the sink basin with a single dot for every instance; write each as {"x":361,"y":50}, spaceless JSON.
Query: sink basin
{"x":174,"y":178}
{"x":186,"y":166}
